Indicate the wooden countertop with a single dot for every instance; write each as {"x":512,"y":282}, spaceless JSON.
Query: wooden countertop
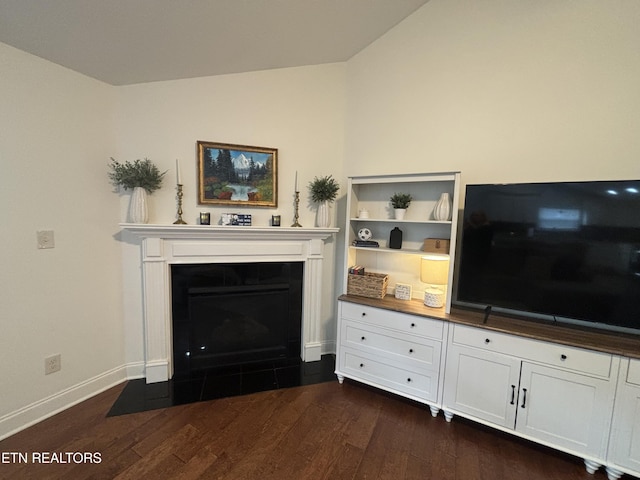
{"x":603,"y":341}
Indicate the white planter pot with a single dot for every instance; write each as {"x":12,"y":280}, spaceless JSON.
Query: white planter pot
{"x":138,"y":210}
{"x":399,"y":213}
{"x":323,"y":218}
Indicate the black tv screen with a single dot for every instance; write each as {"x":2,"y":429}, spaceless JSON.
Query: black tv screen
{"x":562,"y":251}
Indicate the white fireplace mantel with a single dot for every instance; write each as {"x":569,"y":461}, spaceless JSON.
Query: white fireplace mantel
{"x":163,"y":245}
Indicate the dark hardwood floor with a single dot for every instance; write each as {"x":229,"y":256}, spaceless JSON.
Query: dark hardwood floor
{"x":320,"y":431}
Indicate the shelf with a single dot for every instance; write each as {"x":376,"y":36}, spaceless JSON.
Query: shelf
{"x":392,"y":220}
{"x":405,"y":251}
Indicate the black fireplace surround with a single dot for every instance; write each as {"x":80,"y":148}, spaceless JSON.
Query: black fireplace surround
{"x":235,"y":314}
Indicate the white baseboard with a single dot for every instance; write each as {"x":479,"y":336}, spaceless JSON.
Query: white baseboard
{"x":25,"y":417}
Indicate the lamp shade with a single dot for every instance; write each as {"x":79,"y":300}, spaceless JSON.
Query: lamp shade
{"x":434,"y":269}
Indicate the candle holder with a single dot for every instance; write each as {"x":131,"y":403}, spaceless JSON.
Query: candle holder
{"x":179,"y":221}
{"x":295,"y":216}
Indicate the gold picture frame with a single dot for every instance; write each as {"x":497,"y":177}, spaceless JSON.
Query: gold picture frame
{"x":237,"y":175}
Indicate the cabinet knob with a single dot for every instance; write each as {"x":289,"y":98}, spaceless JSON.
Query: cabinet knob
{"x":413,"y":325}
{"x":361,"y":365}
{"x":563,"y":357}
{"x":364,"y":314}
{"x":362,"y":338}
{"x":487,"y":341}
{"x":408,"y":380}
{"x":411,"y":350}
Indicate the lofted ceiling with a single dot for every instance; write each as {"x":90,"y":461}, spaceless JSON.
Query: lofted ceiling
{"x":124,"y":42}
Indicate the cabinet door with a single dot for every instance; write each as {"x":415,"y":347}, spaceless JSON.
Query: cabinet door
{"x":624,"y":449}
{"x":565,"y":409}
{"x":482,"y":384}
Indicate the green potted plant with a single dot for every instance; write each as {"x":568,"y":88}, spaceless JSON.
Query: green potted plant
{"x":324,"y":190}
{"x":400,"y":202}
{"x":140,"y":176}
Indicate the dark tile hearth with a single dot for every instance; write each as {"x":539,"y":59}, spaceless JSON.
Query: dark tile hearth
{"x":138,"y":396}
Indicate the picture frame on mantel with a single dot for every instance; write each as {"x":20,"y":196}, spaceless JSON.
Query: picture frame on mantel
{"x":237,"y":175}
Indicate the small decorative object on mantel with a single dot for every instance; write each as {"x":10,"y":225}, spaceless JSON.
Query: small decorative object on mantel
{"x":323,"y":191}
{"x":400,"y":202}
{"x":239,"y":219}
{"x":296,"y":206}
{"x":179,"y":194}
{"x":140,"y":176}
{"x":442,"y":210}
{"x":205,"y":218}
{"x":403,"y":291}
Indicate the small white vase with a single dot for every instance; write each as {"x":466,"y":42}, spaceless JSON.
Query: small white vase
{"x":138,"y":210}
{"x":442,"y":210}
{"x":399,"y":213}
{"x":323,"y":218}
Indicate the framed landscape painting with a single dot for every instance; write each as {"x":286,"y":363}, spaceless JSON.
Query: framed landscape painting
{"x":237,"y":175}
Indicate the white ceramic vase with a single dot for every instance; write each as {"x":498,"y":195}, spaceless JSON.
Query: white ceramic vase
{"x":442,"y":210}
{"x":399,"y":213}
{"x":322,"y":217}
{"x":138,"y":210}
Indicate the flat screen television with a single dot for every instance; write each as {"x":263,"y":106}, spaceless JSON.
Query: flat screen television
{"x":566,"y":252}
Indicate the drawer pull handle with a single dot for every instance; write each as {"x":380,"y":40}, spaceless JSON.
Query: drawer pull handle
{"x":563,"y":357}
{"x":524,"y":398}
{"x":513,"y":394}
{"x":361,"y":365}
{"x":411,"y":350}
{"x":362,"y":338}
{"x":487,"y":341}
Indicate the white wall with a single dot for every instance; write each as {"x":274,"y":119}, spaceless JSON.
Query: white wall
{"x":56,"y":135}
{"x":299,"y":111}
{"x":501,"y":90}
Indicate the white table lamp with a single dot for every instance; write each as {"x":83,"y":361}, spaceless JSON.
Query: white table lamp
{"x":434,"y":271}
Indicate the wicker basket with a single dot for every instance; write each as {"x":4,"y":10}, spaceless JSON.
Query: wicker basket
{"x":372,"y":285}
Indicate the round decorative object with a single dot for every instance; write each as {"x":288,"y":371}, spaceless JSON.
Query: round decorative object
{"x":364,"y":234}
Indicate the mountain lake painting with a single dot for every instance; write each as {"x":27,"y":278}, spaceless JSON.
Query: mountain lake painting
{"x":237,"y":175}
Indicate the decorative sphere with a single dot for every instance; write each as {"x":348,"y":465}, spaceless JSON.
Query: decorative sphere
{"x":364,"y":234}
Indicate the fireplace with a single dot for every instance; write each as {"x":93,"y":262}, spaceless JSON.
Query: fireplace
{"x":235,"y":313}
{"x":166,"y":246}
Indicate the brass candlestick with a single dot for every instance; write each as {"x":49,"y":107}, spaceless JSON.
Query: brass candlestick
{"x":295,"y":216}
{"x":179,"y":221}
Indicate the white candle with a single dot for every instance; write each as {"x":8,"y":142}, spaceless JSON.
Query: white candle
{"x":296,"y":181}
{"x":179,"y":180}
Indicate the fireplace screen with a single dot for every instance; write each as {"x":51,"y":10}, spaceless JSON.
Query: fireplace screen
{"x":230,"y":314}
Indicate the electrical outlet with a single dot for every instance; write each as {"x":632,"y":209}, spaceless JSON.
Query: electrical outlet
{"x":45,"y":239}
{"x":52,"y":364}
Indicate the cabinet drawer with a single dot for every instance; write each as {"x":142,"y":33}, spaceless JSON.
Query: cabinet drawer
{"x":364,"y":367}
{"x":571,"y":358}
{"x":392,"y":344}
{"x":403,"y":322}
{"x":633,"y":377}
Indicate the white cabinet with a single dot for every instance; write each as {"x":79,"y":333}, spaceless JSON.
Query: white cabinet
{"x":624,"y":444}
{"x":372,"y":194}
{"x":394,"y":351}
{"x":553,"y":394}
